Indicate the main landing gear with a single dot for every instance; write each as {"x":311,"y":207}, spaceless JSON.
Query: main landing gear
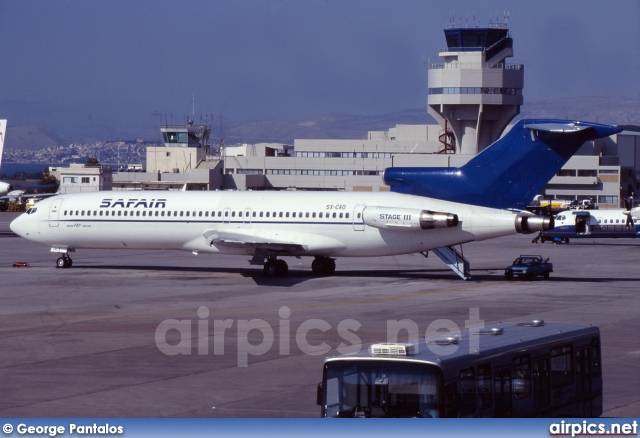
{"x":275,"y":268}
{"x":321,"y":267}
{"x":64,"y":261}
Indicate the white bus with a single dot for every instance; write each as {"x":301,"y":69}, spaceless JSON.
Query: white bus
{"x":531,"y":369}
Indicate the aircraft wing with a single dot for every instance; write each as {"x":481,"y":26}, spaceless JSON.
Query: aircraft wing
{"x":239,"y":239}
{"x":31,"y":195}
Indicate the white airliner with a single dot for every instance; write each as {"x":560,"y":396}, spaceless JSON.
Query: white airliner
{"x":426,"y":209}
{"x":4,"y":187}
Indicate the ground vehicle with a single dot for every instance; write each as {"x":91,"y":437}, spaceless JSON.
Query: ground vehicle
{"x":508,"y":370}
{"x":528,"y":267}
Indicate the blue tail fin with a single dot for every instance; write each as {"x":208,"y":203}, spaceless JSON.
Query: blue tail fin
{"x":507,"y":174}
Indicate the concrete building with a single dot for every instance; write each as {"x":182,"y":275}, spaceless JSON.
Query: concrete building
{"x":79,"y":178}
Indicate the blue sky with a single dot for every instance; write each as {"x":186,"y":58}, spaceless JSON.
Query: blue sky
{"x":292,"y":59}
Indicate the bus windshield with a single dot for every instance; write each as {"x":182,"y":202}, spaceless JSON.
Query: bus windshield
{"x":381,"y":389}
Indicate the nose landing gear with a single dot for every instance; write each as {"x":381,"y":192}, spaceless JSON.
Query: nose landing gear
{"x":64,"y":262}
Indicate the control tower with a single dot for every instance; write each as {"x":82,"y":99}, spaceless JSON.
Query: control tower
{"x":474,"y":94}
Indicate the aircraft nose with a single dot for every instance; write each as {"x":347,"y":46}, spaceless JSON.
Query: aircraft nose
{"x":18,"y":226}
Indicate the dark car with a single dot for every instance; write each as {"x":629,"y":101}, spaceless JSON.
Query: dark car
{"x":529,"y":267}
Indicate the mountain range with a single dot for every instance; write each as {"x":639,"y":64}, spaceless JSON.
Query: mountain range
{"x":33,"y":126}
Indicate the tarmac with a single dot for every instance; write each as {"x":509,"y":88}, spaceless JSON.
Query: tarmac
{"x":171,"y":334}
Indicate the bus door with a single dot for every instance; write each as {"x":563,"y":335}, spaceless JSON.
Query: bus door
{"x":54,"y":212}
{"x":541,"y":385}
{"x":246,"y":218}
{"x":502,"y":391}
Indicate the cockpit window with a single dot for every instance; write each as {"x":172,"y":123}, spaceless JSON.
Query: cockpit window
{"x":31,"y":210}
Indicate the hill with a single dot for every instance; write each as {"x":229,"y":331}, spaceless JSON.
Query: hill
{"x":42,"y":126}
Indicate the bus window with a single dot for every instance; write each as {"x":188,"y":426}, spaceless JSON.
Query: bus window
{"x":541,"y":387}
{"x":561,"y":366}
{"x":502,"y":391}
{"x":485,"y":393}
{"x":467,"y":392}
{"x":521,"y":384}
{"x":381,"y":389}
{"x":451,"y":404}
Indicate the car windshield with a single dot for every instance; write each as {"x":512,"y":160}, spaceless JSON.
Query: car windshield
{"x":381,"y":389}
{"x":525,"y":261}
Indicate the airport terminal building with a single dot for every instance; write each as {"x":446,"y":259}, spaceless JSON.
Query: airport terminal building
{"x":474,"y":94}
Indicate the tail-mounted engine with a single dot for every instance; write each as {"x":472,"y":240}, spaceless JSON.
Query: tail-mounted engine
{"x":407,"y":218}
{"x":527,"y":223}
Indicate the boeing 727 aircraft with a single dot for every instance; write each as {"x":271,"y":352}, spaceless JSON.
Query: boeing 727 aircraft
{"x":426,"y":209}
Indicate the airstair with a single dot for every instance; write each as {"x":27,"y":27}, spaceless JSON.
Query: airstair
{"x":454,"y":259}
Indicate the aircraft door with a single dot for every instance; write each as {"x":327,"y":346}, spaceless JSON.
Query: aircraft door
{"x":582,"y":224}
{"x":358,"y":221}
{"x":246,"y":218}
{"x":54,"y":212}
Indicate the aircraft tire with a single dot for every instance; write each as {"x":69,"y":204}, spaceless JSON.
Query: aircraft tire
{"x":270,"y":269}
{"x":63,"y":262}
{"x":281,"y":268}
{"x":322,"y":266}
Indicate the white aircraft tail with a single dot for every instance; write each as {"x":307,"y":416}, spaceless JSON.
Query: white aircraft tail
{"x":3,"y":129}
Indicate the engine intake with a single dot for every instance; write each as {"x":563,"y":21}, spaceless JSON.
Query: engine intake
{"x":407,"y":218}
{"x":527,"y":223}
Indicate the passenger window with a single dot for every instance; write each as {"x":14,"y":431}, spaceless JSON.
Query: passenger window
{"x":294,"y":214}
{"x":521,"y":384}
{"x":280,"y":214}
{"x":287,"y":215}
{"x":181,"y":213}
{"x":561,"y":366}
{"x":260,"y":214}
{"x":334,"y":215}
{"x":467,"y":392}
{"x":341,"y":215}
{"x":233,"y":214}
{"x":313,"y":214}
{"x":346,"y":215}
{"x":268,"y":214}
{"x":306,"y":214}
{"x":485,"y":387}
{"x":254,"y":214}
{"x":125,"y":213}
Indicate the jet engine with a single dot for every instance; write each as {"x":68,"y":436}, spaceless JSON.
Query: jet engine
{"x":527,"y":223}
{"x":407,"y":218}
